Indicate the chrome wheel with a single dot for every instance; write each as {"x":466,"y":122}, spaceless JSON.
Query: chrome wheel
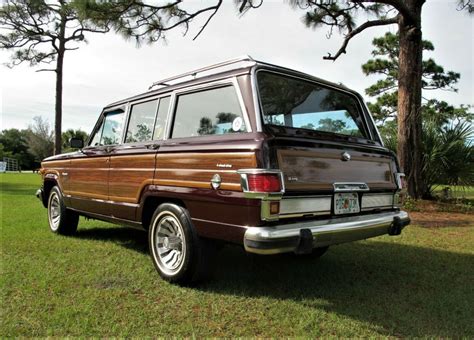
{"x":169,"y":249}
{"x":54,"y":211}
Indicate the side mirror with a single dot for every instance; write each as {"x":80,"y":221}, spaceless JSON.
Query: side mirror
{"x":76,"y":143}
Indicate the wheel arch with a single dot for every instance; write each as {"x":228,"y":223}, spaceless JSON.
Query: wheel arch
{"x":48,"y":184}
{"x":151,"y":202}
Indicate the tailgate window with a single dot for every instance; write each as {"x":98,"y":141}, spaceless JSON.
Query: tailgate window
{"x":301,"y":104}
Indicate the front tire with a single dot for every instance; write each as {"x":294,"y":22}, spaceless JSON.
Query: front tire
{"x":177,"y":252}
{"x":61,"y":220}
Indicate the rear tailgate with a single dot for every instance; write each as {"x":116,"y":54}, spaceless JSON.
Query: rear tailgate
{"x":312,"y":170}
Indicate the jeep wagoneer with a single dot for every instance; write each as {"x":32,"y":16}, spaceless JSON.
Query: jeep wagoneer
{"x":243,"y":152}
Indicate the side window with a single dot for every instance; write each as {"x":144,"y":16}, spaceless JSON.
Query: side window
{"x":142,"y":118}
{"x":210,"y":112}
{"x":112,"y":129}
{"x":159,"y":129}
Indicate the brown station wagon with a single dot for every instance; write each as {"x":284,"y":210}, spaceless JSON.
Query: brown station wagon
{"x":242,"y":152}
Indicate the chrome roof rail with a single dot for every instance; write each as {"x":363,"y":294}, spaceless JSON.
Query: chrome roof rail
{"x":165,"y":82}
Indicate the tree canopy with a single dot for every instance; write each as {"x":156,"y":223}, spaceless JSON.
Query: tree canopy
{"x":434,"y":77}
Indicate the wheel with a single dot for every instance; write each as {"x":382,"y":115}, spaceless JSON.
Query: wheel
{"x":61,"y":220}
{"x":178,"y":254}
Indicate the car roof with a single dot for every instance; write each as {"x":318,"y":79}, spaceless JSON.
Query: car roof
{"x":230,"y":68}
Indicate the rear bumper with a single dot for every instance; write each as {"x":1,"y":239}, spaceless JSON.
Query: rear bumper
{"x":302,"y":237}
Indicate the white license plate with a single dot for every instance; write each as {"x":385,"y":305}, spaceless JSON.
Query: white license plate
{"x":346,"y":203}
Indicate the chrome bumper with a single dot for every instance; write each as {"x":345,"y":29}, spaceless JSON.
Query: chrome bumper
{"x":302,"y":237}
{"x":40,"y":195}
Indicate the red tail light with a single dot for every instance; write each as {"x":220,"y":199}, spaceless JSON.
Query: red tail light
{"x":401,"y":181}
{"x":264,"y":182}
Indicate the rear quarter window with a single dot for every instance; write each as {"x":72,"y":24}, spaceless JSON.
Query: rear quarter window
{"x":214,"y":111}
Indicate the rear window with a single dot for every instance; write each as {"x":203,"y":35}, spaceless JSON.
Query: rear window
{"x":301,"y":104}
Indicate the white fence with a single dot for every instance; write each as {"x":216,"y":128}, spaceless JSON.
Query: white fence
{"x":9,"y":164}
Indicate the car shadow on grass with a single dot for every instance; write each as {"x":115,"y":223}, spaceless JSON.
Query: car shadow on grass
{"x":396,"y":289}
{"x":129,"y":238}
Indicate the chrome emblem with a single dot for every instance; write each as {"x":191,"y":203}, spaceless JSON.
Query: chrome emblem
{"x":216,"y":181}
{"x":345,"y":156}
{"x":221,"y":165}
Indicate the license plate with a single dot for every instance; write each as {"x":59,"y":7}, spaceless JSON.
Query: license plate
{"x":346,"y":203}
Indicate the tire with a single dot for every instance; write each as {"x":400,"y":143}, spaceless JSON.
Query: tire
{"x":177,"y":252}
{"x":315,"y":254}
{"x":61,"y":220}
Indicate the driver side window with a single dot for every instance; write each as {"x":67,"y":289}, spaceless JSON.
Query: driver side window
{"x":110,"y":130}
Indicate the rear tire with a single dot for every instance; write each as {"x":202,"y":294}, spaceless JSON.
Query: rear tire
{"x":61,"y":220}
{"x":177,"y":252}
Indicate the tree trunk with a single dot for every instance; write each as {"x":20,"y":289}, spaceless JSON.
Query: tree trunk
{"x":409,"y":98}
{"x":59,"y":89}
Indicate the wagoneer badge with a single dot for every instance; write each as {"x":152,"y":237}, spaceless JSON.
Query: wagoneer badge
{"x":346,"y":156}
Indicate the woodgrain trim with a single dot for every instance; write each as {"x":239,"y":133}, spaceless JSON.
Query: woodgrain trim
{"x":196,"y":169}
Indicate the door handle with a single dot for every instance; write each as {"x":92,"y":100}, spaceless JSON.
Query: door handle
{"x":152,"y":146}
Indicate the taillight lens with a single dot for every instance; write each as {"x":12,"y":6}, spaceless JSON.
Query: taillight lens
{"x":402,"y":184}
{"x":264,"y":182}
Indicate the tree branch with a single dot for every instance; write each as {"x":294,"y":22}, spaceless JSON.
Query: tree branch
{"x":46,"y":70}
{"x":358,"y":30}
{"x":217,"y":6}
{"x":397,"y":4}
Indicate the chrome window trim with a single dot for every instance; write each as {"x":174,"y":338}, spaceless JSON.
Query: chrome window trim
{"x":256,"y":99}
{"x":170,"y":116}
{"x":240,"y":98}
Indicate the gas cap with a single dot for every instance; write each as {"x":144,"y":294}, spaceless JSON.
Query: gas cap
{"x":346,"y":156}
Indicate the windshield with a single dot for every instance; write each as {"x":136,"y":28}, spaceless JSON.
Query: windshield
{"x":302,"y":104}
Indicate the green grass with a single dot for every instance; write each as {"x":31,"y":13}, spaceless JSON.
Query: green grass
{"x":457,"y":191}
{"x":102,"y":283}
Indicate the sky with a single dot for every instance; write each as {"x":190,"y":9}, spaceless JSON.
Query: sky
{"x":108,"y":68}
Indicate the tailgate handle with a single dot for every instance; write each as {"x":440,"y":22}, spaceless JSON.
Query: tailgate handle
{"x":349,"y":187}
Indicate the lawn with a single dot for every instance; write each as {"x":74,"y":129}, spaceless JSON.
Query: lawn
{"x":101,"y":282}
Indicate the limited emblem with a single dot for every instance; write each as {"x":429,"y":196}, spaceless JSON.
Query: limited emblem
{"x":345,"y":156}
{"x":221,"y":165}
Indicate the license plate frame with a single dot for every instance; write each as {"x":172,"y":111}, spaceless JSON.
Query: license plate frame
{"x":346,"y":203}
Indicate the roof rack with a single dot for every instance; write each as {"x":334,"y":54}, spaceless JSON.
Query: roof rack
{"x":166,"y":82}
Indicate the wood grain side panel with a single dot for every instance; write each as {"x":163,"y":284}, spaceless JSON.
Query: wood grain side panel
{"x":88,"y":177}
{"x":318,"y":170}
{"x":197,"y":169}
{"x":129,"y":175}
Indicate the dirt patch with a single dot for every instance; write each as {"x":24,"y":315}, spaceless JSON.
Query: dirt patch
{"x":433,"y":219}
